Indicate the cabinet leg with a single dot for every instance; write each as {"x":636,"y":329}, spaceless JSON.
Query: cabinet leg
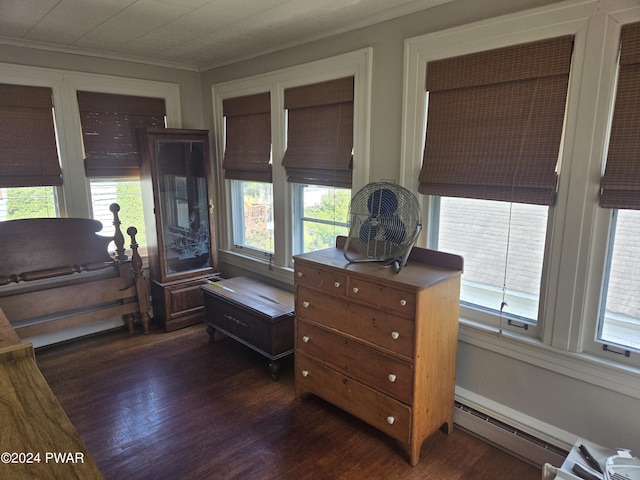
{"x":211,"y":331}
{"x":274,"y":368}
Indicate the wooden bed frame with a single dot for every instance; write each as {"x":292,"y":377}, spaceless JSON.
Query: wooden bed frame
{"x":57,"y":273}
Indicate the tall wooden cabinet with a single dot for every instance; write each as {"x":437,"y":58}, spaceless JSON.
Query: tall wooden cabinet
{"x":378,"y":344}
{"x":177,"y":191}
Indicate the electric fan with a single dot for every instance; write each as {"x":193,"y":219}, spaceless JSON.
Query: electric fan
{"x":384,"y":223}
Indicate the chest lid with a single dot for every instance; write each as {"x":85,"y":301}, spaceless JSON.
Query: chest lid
{"x":253,"y":295}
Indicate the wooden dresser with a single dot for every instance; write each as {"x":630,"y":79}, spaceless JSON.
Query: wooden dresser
{"x":378,"y":344}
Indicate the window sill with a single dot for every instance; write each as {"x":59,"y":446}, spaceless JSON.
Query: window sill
{"x":257,"y":266}
{"x":581,"y":366}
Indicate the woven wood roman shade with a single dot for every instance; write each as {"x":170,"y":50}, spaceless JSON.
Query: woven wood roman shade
{"x":109,"y":124}
{"x":247,"y":152}
{"x":620,"y":184}
{"x":28,"y":149}
{"x":495,"y":122}
{"x":320,"y":133}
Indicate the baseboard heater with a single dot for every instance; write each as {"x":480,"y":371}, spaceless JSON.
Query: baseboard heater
{"x":517,"y":442}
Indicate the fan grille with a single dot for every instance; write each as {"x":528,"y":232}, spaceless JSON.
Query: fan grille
{"x":384,"y":221}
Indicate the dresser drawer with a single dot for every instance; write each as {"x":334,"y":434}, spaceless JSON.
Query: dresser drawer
{"x":379,"y":410}
{"x":372,"y":325}
{"x":379,"y":371}
{"x":328,"y":281}
{"x":387,"y":298}
{"x":269,"y":336}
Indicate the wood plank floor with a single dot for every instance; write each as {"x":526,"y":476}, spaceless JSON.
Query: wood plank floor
{"x":173,"y":406}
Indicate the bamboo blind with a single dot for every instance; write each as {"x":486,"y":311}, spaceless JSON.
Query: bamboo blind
{"x":109,"y":124}
{"x":247,"y":154}
{"x":320,"y":133}
{"x":28,"y":148}
{"x":495,"y":122}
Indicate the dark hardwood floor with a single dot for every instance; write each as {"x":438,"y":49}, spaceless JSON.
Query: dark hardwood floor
{"x":173,"y":406}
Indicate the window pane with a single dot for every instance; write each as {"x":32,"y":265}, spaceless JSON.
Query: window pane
{"x":488,"y":239}
{"x":324,"y":216}
{"x":27,"y":202}
{"x":128,"y":195}
{"x":620,"y":316}
{"x":253,"y":215}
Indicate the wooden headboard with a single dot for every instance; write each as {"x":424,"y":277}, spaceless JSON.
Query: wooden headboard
{"x":43,"y":281}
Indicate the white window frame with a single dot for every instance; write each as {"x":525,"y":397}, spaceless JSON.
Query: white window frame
{"x":74,"y":199}
{"x":357,"y":64}
{"x":578,"y":229}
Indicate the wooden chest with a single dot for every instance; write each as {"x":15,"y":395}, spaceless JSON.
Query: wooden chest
{"x":378,"y":344}
{"x":255,"y":314}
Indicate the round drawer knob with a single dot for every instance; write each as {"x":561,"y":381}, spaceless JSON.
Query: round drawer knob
{"x":305,"y":339}
{"x":390,"y":420}
{"x":305,"y":304}
{"x":355,"y":289}
{"x":395,"y":335}
{"x":337,"y":284}
{"x":305,"y":373}
{"x":392,"y":378}
{"x":299,"y":274}
{"x":403,"y":302}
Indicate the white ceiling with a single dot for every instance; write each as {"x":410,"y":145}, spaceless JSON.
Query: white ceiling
{"x":191,"y":34}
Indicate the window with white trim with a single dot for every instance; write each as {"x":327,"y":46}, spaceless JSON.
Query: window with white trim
{"x":306,"y":214}
{"x":78,"y":195}
{"x":318,"y":160}
{"x":30,"y":172}
{"x":582,"y":237}
{"x":248,"y":165}
{"x":619,"y":320}
{"x":494,"y":128}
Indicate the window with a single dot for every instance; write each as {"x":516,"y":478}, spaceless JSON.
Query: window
{"x":299,"y":200}
{"x":577,"y":230}
{"x":503,"y":249}
{"x":494,"y":126}
{"x":247,"y":163}
{"x":320,"y":214}
{"x":112,"y":163}
{"x":29,"y":165}
{"x":318,"y":160}
{"x":125,"y":193}
{"x":619,"y":320}
{"x":28,"y":202}
{"x":253,"y":215}
{"x":620,"y":314}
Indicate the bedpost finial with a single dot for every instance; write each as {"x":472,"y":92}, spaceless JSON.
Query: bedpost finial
{"x":132,"y":232}
{"x":118,"y":237}
{"x":136,"y":261}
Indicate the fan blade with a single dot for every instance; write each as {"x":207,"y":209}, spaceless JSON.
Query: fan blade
{"x":368,"y":231}
{"x":382,"y":201}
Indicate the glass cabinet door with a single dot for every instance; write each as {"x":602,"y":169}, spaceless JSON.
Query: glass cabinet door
{"x":183,"y":223}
